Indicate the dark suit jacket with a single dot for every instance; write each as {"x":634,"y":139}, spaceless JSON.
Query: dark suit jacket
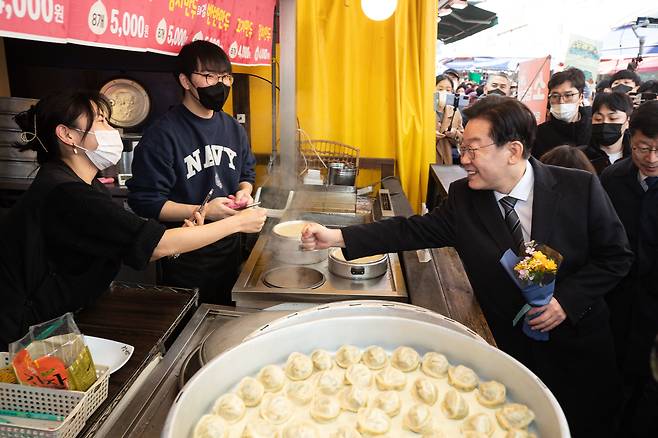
{"x":573,"y":215}
{"x":634,"y":304}
{"x":555,"y":132}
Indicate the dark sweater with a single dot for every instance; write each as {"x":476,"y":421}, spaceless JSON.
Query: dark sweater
{"x":555,"y":132}
{"x":62,"y":244}
{"x":182,"y":156}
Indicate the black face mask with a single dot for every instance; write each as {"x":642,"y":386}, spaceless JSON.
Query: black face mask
{"x":605,"y":134}
{"x":621,"y":88}
{"x":213,"y":97}
{"x":497,"y":91}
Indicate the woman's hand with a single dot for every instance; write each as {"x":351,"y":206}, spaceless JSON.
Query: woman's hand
{"x":251,"y":219}
{"x":198,"y":219}
{"x":316,"y":236}
{"x":243,"y":197}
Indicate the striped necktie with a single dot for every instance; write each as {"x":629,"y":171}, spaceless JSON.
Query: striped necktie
{"x":513,"y":222}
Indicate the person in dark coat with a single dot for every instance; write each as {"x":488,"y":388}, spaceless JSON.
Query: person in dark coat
{"x":632,"y":185}
{"x":610,"y":140}
{"x":566,"y":209}
{"x":569,"y":121}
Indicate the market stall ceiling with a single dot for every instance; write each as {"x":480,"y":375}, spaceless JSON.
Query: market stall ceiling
{"x":462,"y":23}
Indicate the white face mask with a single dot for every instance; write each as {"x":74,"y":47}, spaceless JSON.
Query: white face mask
{"x":564,"y":111}
{"x":109,"y":150}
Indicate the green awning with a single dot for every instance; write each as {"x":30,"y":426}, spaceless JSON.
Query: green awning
{"x":464,"y":22}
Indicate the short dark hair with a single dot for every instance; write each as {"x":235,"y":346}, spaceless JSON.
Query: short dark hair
{"x":451,"y":71}
{"x":573,"y":75}
{"x":510,"y":120}
{"x":440,"y":78}
{"x":614,"y":101}
{"x":61,"y":108}
{"x":645,"y":119}
{"x":602,"y":85}
{"x":568,"y":156}
{"x":626,"y":74}
{"x":201,"y":55}
{"x":650,"y":86}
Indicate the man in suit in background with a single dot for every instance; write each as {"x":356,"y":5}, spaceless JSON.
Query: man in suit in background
{"x":632,"y":185}
{"x":508,"y":198}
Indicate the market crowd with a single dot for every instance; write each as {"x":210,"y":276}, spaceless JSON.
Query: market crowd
{"x":611,"y":131}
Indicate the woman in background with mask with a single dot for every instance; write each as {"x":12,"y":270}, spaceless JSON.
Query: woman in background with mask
{"x":569,"y":121}
{"x":65,"y":240}
{"x":609,"y":142}
{"x":449,"y":129}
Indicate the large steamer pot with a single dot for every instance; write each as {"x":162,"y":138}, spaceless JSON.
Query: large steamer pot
{"x":363,"y":308}
{"x":286,"y":245}
{"x":225,"y":371}
{"x":364,"y":268}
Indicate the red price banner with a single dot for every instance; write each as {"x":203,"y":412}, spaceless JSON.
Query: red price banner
{"x":243,"y":28}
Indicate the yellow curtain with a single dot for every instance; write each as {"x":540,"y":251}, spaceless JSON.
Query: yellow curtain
{"x":369,"y":84}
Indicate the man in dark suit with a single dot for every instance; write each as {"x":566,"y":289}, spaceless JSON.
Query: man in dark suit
{"x":507,"y":198}
{"x":632,"y":185}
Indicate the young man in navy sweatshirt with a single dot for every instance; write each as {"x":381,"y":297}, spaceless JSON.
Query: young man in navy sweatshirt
{"x":193,"y":148}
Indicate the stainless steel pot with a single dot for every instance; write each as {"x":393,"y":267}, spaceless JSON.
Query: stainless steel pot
{"x":286,"y":246}
{"x":345,"y":176}
{"x":358,"y":269}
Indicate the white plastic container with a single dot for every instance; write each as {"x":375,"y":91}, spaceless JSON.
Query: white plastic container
{"x":226,"y":370}
{"x":75,"y":406}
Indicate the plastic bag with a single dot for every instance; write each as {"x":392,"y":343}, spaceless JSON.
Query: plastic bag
{"x":53,"y":355}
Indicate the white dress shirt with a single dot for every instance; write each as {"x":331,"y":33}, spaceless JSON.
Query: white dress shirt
{"x":523,"y":191}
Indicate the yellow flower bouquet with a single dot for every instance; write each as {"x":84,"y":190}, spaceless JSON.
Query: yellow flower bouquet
{"x":534,"y":273}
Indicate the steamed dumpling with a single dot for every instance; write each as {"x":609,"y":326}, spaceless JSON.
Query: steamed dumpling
{"x":299,"y":366}
{"x":375,"y":357}
{"x":353,"y":399}
{"x":257,"y":428}
{"x":491,"y":394}
{"x":514,"y":416}
{"x":250,"y":391}
{"x":480,"y":423}
{"x":462,"y":378}
{"x":388,"y":401}
{"x":322,"y":360}
{"x":300,"y":429}
{"x":276,"y":409}
{"x":211,"y":426}
{"x":358,"y":375}
{"x":418,"y":418}
{"x":474,"y":434}
{"x":519,"y":433}
{"x":347,"y":355}
{"x":425,"y":391}
{"x":272,"y":377}
{"x":324,"y":408}
{"x":345,"y":432}
{"x":329,"y":383}
{"x":435,"y":365}
{"x":405,"y":359}
{"x":230,"y":407}
{"x":300,"y":392}
{"x":373,"y":421}
{"x":436,"y":432}
{"x":454,"y":406}
{"x":390,"y":378}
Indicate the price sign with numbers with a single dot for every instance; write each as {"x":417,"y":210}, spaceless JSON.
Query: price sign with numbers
{"x":243,"y":28}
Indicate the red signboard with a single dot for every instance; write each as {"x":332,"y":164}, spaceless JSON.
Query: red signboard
{"x":533,"y":88}
{"x":243,"y":28}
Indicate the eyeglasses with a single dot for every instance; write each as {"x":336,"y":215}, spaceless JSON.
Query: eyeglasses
{"x":645,"y":150}
{"x":471,"y":150}
{"x":215,"y":78}
{"x":566,"y":97}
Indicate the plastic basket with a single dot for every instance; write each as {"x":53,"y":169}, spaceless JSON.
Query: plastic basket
{"x":75,"y":406}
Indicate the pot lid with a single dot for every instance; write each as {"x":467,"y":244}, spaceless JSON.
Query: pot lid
{"x":130,"y":102}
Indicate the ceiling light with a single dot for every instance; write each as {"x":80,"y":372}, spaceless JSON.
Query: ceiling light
{"x":459,"y":4}
{"x":378,"y":10}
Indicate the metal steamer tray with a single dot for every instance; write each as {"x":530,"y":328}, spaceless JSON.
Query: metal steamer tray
{"x":221,"y":374}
